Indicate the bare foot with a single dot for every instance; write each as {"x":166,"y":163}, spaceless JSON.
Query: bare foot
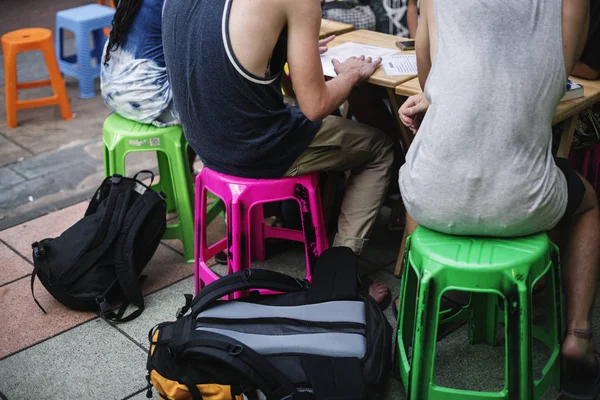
{"x":378,"y":291}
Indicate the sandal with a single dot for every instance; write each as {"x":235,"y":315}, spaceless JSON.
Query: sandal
{"x":576,"y":385}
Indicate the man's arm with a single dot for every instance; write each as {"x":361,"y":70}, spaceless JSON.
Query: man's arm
{"x":317,"y":98}
{"x":412,"y":17}
{"x":422,"y":43}
{"x":575,"y":23}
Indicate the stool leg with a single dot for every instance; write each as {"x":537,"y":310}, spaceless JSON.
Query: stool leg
{"x":318,"y":223}
{"x":257,"y":238}
{"x":482,"y":321}
{"x":10,"y":80}
{"x":107,"y":168}
{"x":58,"y":43}
{"x":99,"y":40}
{"x":114,"y":162}
{"x":316,"y":209}
{"x":58,"y":83}
{"x":406,"y":321}
{"x":199,"y":232}
{"x":311,"y":233}
{"x":425,"y":341}
{"x":84,"y":66}
{"x":237,"y":243}
{"x":181,"y":186}
{"x":518,"y":338}
{"x":165,"y":184}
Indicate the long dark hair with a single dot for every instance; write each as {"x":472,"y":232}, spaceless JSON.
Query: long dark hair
{"x":126,"y":11}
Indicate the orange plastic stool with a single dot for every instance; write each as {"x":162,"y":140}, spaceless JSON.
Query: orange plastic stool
{"x":27,"y":40}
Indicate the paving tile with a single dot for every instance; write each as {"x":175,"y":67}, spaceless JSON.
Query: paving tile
{"x":166,"y":267}
{"x":391,"y":267}
{"x":9,"y":153}
{"x":68,"y":157}
{"x":21,"y":236}
{"x":161,"y":306}
{"x":24,"y":324}
{"x":393,"y":390}
{"x":8,"y":177}
{"x":43,"y":188}
{"x":42,"y":129}
{"x":12,"y":266}
{"x":92,"y":361}
{"x":384,"y":244}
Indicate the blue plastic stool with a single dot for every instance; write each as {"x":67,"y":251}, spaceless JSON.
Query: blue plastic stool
{"x":83,"y":21}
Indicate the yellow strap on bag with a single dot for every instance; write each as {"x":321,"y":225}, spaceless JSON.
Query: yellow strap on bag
{"x":173,"y":390}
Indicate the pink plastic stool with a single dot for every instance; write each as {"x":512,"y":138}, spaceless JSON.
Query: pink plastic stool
{"x":246,"y":230}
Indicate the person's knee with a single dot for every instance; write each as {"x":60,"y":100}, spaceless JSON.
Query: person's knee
{"x":386,"y":149}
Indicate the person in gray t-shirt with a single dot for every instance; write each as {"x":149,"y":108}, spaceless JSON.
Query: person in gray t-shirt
{"x":481,"y":164}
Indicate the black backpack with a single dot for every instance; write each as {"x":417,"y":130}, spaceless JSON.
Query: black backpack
{"x":99,"y":259}
{"x":326,"y":340}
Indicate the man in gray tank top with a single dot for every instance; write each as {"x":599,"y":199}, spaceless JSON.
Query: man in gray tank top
{"x":481,"y":162}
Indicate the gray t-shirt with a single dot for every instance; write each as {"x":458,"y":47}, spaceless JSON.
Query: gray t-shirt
{"x":481,"y":162}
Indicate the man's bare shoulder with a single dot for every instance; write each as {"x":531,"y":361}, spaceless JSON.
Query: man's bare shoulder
{"x":295,"y":6}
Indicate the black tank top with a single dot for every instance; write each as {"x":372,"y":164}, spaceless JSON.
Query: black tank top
{"x":236,"y":121}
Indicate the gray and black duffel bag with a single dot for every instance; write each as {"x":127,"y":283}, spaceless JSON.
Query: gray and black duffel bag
{"x":321,"y":341}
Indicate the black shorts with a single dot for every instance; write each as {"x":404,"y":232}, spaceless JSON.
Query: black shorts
{"x":575,"y":188}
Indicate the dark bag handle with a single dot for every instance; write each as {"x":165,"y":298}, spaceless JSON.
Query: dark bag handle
{"x":126,"y":276}
{"x":145,"y":171}
{"x":247,"y":279}
{"x":264,"y":375}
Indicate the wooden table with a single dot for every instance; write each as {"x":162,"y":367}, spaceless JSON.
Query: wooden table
{"x":329,"y":27}
{"x":380,"y":78}
{"x":566,"y":111}
{"x":569,"y":111}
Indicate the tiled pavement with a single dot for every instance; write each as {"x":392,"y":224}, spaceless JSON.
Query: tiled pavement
{"x":68,"y":354}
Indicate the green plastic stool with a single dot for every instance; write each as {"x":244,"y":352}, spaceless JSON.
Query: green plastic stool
{"x":122,"y":136}
{"x":489,"y":268}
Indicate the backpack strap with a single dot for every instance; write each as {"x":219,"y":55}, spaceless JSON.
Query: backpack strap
{"x":38,"y":252}
{"x":109,"y":227}
{"x":259,"y":371}
{"x":125,"y":272}
{"x":247,"y":279}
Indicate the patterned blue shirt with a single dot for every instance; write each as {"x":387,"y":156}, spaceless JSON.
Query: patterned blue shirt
{"x":134,"y":81}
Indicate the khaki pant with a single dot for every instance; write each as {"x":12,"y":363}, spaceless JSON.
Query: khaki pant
{"x":344,"y":145}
